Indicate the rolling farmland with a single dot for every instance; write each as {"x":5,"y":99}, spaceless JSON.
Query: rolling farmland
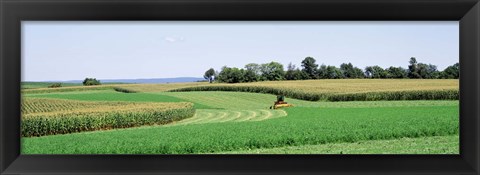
{"x":239,"y":121}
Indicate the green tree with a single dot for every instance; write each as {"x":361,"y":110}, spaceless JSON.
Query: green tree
{"x":375,"y":72}
{"x":252,"y":72}
{"x":349,"y":71}
{"x":358,"y":72}
{"x":254,"y":67}
{"x":332,"y":72}
{"x":290,"y":74}
{"x":451,"y":72}
{"x":322,"y":72}
{"x":433,"y":71}
{"x":396,"y":72}
{"x":300,"y":75}
{"x":310,"y":67}
{"x":369,"y":72}
{"x":249,"y":76}
{"x":209,"y":74}
{"x":427,"y":71}
{"x":412,"y":68}
{"x":272,"y":71}
{"x":230,"y":75}
{"x":91,"y":82}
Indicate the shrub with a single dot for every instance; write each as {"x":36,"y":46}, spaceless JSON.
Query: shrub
{"x":55,"y":85}
{"x":91,"y":82}
{"x":119,"y":89}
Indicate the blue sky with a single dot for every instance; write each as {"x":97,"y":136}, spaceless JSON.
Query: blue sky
{"x":62,"y":50}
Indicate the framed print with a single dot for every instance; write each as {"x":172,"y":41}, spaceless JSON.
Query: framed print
{"x":239,"y":87}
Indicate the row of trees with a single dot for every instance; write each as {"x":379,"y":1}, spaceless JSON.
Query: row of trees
{"x":274,"y":71}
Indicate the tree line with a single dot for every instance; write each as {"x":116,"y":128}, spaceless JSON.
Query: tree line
{"x":309,"y":69}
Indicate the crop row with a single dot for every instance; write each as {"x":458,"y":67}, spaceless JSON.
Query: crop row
{"x":43,"y":105}
{"x":108,"y":116}
{"x":397,"y":95}
{"x":449,"y":94}
{"x":39,"y":105}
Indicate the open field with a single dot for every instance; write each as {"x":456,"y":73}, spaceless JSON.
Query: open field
{"x":241,"y":122}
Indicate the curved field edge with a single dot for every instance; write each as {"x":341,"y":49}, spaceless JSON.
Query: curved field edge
{"x":91,"y":116}
{"x":112,"y":96}
{"x":77,"y":89}
{"x":309,"y":96}
{"x":203,"y":116}
{"x":302,"y":126}
{"x":423,"y":145}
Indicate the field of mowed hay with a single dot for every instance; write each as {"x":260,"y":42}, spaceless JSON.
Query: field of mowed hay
{"x":242,"y":123}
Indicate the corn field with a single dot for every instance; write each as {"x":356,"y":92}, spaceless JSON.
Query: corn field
{"x":441,"y":94}
{"x":48,"y":117}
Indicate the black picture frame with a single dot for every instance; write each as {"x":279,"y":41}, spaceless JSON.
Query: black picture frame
{"x":12,"y":12}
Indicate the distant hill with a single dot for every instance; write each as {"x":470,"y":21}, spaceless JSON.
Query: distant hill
{"x":142,"y":81}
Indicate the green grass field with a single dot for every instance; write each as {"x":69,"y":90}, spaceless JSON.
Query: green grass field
{"x":423,"y":145}
{"x":242,"y":123}
{"x":35,"y":85}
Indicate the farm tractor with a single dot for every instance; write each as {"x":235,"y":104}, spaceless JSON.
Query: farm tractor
{"x":280,"y":103}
